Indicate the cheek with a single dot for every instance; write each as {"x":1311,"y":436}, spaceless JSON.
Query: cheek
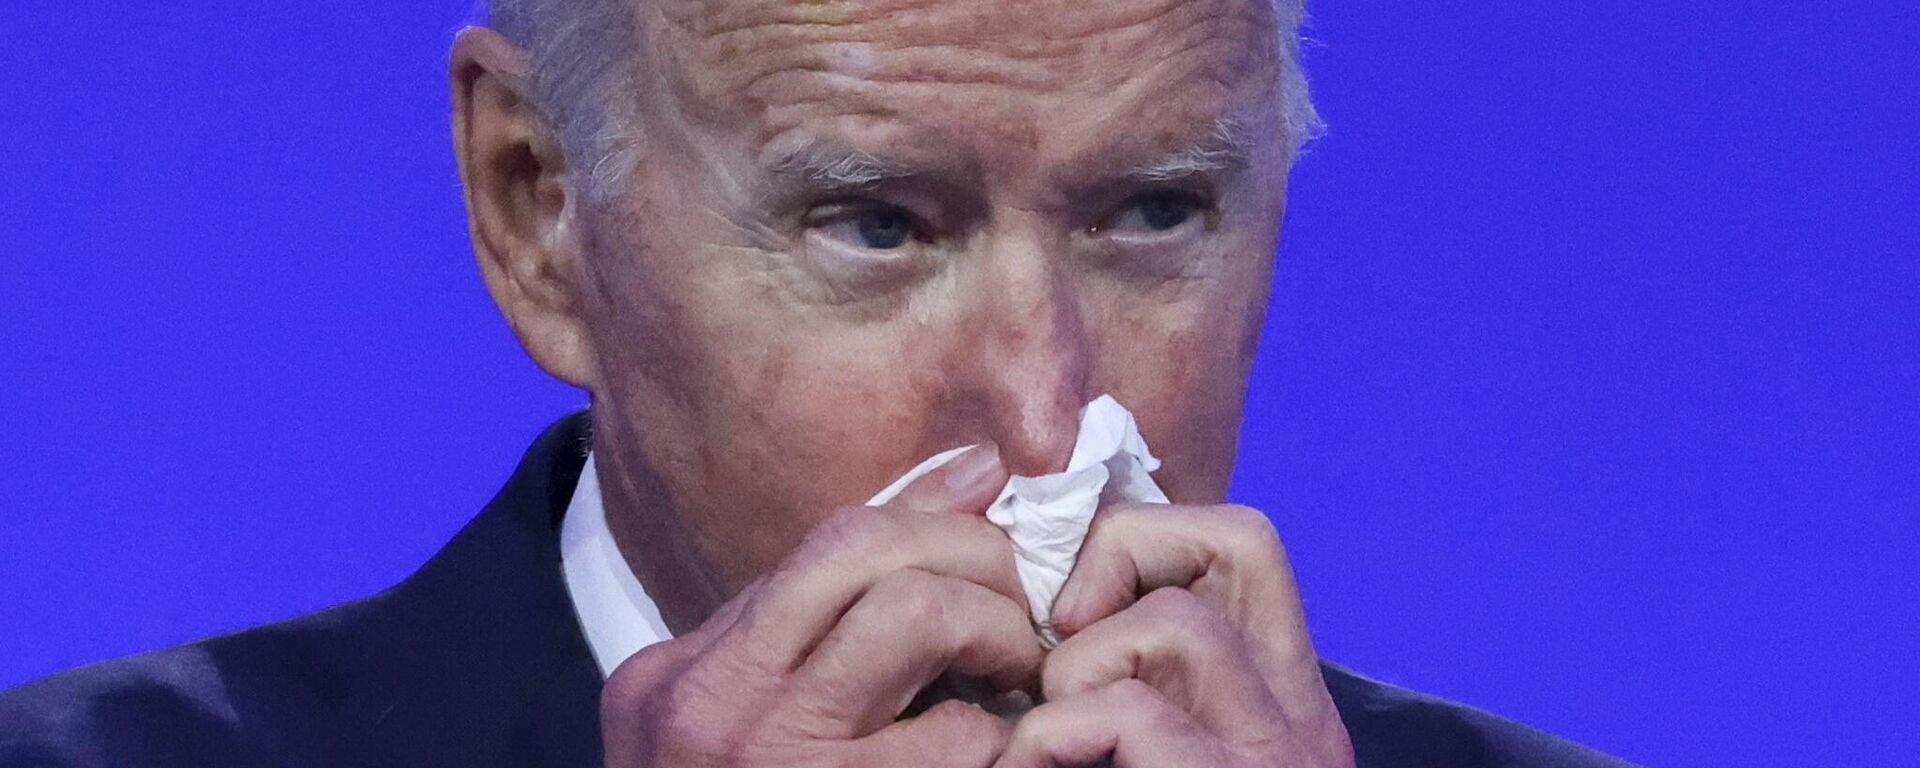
{"x":813,"y":418}
{"x":778,"y":410}
{"x":1182,"y":368}
{"x":777,"y":431}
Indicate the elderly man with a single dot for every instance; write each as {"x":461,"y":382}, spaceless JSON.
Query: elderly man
{"x":791,"y":249}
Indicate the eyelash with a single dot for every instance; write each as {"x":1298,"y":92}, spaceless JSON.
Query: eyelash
{"x":842,"y":211}
{"x":1202,"y":205}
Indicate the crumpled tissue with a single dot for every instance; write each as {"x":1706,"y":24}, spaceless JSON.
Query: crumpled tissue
{"x":1046,"y":517}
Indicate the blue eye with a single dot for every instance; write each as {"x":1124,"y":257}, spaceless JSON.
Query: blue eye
{"x":884,"y":229}
{"x":1158,"y":211}
{"x":870,"y":226}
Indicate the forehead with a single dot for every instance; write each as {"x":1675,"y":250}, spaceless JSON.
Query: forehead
{"x":990,"y":81}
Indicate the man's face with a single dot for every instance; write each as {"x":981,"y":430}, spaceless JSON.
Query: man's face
{"x":863,"y":232}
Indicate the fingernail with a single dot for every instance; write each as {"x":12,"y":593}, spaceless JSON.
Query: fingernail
{"x":968,"y":469}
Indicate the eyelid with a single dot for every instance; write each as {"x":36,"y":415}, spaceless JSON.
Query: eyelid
{"x":1204,"y":206}
{"x":832,"y":210}
{"x":848,"y":270}
{"x":1191,"y":192}
{"x":822,"y":218}
{"x":841,"y":207}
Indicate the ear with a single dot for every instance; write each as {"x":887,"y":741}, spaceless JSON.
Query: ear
{"x":518,"y":210}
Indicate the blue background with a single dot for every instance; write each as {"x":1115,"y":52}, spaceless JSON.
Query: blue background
{"x":1588,"y":394}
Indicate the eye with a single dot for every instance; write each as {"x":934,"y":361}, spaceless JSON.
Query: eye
{"x":872,"y":226}
{"x":1162,"y":210}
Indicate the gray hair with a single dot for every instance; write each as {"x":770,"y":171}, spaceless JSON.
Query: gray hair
{"x":581,"y":54}
{"x":581,"y":76}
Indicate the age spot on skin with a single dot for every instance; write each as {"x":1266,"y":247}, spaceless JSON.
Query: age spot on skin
{"x":851,"y":58}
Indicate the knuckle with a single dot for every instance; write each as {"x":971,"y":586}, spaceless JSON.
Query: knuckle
{"x":1134,"y":694}
{"x":1247,"y":521}
{"x":854,"y":529}
{"x":1181,"y":623}
{"x":642,"y":676}
{"x":845,"y":524}
{"x":1167,"y":599}
{"x":1065,"y":674}
{"x":1251,"y":531}
{"x":624,"y":696}
{"x":908,"y":598}
{"x":1174,"y":606}
{"x":689,"y":701}
{"x":682,"y":719}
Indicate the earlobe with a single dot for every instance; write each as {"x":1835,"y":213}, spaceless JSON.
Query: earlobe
{"x":518,"y":204}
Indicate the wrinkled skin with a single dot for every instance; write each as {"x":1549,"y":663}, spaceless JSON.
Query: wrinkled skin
{"x":762,"y":353}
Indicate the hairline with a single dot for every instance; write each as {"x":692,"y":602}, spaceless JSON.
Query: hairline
{"x":576,"y":50}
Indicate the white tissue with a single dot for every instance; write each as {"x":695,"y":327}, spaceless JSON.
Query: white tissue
{"x":1047,"y":517}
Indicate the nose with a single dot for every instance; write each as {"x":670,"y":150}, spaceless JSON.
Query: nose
{"x":1025,"y":375}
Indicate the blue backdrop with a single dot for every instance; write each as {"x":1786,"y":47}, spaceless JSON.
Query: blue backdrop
{"x":1588,"y":393}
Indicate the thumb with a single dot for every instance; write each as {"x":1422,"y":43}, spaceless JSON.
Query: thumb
{"x":965,"y":485}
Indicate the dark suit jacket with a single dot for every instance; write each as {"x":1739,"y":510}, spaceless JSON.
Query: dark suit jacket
{"x":478,"y":660}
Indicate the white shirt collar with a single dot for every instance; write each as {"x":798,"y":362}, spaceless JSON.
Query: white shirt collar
{"x":615,"y":612}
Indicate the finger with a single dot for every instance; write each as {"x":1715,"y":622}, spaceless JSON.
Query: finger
{"x":633,"y":680}
{"x":1227,"y":555}
{"x":952,"y":734}
{"x":729,"y":613}
{"x":629,"y":702}
{"x":816,"y":576}
{"x":1128,"y":720}
{"x":965,"y":485}
{"x":845,"y":556}
{"x":1181,"y":647}
{"x":907,"y":630}
{"x":685,"y":646}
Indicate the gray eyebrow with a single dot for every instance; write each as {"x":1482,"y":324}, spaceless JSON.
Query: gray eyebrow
{"x":837,"y":170}
{"x":1225,"y":148}
{"x":831,"y":169}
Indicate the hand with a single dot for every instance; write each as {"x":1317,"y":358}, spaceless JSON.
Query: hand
{"x":813,"y":664}
{"x":1185,"y":645}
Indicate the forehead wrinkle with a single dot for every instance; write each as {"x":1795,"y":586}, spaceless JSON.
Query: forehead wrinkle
{"x":718,"y":18}
{"x":926,"y":42}
{"x":1141,"y":58}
